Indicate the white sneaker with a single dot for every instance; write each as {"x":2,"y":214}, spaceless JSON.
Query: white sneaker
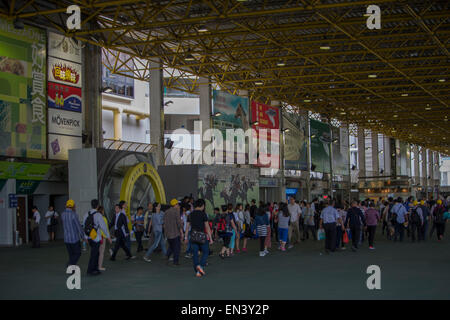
{"x":147,"y":259}
{"x":111,"y":252}
{"x":290,"y":246}
{"x":266,"y":251}
{"x":262,"y":253}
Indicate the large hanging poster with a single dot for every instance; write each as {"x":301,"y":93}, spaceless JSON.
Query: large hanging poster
{"x":340,"y":147}
{"x":320,"y":146}
{"x":64,"y":72}
{"x":22,"y":91}
{"x":233,"y":111}
{"x":295,"y":142}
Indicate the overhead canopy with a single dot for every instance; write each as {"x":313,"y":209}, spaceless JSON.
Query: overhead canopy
{"x":315,"y":55}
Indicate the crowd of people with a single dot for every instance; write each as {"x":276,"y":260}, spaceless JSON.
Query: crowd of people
{"x":188,"y":228}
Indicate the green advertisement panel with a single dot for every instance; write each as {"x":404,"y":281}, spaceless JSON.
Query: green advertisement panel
{"x":340,"y":150}
{"x":295,"y":142}
{"x":26,"y":186}
{"x":22,"y":91}
{"x":320,"y":146}
{"x":23,"y":171}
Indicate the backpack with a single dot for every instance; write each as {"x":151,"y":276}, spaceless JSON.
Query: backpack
{"x":53,"y":220}
{"x":89,"y":224}
{"x":392,"y":216}
{"x":440,"y":215}
{"x":415,"y":218}
{"x":221,"y":225}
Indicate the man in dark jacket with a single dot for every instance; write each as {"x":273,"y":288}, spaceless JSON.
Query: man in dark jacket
{"x":355,"y":219}
{"x":121,"y":231}
{"x":426,"y":215}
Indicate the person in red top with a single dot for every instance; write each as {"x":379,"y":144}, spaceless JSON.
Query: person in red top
{"x":372,"y":217}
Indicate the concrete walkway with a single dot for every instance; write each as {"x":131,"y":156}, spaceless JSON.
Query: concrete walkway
{"x":408,"y":271}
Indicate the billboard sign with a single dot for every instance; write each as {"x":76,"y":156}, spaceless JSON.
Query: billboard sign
{"x":320,"y":146}
{"x":295,"y":142}
{"x":22,"y":91}
{"x":64,"y":97}
{"x":64,"y":122}
{"x":65,"y":72}
{"x":59,"y":146}
{"x":62,"y":47}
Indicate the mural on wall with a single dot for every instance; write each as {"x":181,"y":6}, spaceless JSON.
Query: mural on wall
{"x":320,"y":146}
{"x":220,"y":185}
{"x":341,"y":160}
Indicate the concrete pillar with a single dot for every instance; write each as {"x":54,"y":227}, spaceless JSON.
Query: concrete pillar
{"x":375,"y":163}
{"x":431,"y":171}
{"x":387,"y":156}
{"x":157,"y":110}
{"x":92,"y":88}
{"x":416,"y":165}
{"x":424,"y":168}
{"x":117,"y":124}
{"x":7,"y":215}
{"x":361,"y":152}
{"x":282,"y":178}
{"x":205,"y":108}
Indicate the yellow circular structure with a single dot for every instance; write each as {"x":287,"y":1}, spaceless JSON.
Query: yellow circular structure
{"x":132,"y":176}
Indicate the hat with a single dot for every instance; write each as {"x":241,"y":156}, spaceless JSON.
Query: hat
{"x":70,"y":203}
{"x":173,"y":202}
{"x":415,"y":203}
{"x":422,"y":202}
{"x":439,"y":201}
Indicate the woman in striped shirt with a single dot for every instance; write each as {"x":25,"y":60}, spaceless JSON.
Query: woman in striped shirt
{"x":262,"y":223}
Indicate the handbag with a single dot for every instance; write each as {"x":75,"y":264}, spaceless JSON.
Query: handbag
{"x":320,"y":234}
{"x":198,"y":237}
{"x":345,"y":237}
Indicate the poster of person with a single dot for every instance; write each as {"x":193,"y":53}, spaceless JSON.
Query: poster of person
{"x":340,"y":150}
{"x":219,"y":185}
{"x":296,"y":143}
{"x":320,"y":146}
{"x":266,"y":117}
{"x":23,"y":120}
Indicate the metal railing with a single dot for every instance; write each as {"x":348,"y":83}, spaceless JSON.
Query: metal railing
{"x":112,"y":144}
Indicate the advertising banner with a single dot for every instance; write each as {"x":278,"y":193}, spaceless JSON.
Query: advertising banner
{"x":62,"y":47}
{"x":59,"y":146}
{"x":22,"y":170}
{"x":64,"y":122}
{"x":233,"y":111}
{"x":320,"y":146}
{"x":64,"y":97}
{"x":295,"y":142}
{"x":65,"y":72}
{"x":340,"y":147}
{"x":267,"y":117}
{"x":22,"y":91}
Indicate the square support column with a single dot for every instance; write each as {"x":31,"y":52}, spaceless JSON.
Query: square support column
{"x":205,"y":108}
{"x":361,"y":153}
{"x":375,"y":163}
{"x":387,"y":156}
{"x":157,"y":110}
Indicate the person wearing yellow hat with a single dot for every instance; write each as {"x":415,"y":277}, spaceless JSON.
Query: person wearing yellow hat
{"x":439,"y":219}
{"x":73,"y":232}
{"x":416,"y":221}
{"x":173,"y":229}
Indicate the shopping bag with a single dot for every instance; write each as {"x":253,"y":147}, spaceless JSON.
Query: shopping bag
{"x":320,"y":234}
{"x":345,"y":237}
{"x":349,"y":234}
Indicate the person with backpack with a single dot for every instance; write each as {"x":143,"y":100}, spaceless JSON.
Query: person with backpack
{"x":73,"y":233}
{"x":354,"y":221}
{"x":121,"y":231}
{"x":156,"y":226}
{"x":138,"y":221}
{"x":439,"y":219}
{"x":200,"y":236}
{"x":416,"y":221}
{"x":225,"y":228}
{"x":52,"y":222}
{"x":399,"y":218}
{"x":93,"y":225}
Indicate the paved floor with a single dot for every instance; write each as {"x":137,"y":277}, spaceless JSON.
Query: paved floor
{"x":408,"y":271}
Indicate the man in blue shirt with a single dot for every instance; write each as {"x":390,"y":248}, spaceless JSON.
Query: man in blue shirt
{"x":328,"y":219}
{"x":73,"y":232}
{"x":399,"y":210}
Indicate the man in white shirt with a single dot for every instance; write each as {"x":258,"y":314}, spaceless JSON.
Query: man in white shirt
{"x":295,"y":212}
{"x":35,"y":227}
{"x":52,"y":221}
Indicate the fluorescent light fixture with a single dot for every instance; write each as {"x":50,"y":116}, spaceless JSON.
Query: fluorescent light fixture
{"x":372,"y":75}
{"x":306,"y":100}
{"x":441,"y":80}
{"x":259,"y":83}
{"x":189,"y":57}
{"x":281,"y":63}
{"x":202,"y":28}
{"x":404,"y":94}
{"x":217,"y":114}
{"x":286,"y":130}
{"x":325,"y":48}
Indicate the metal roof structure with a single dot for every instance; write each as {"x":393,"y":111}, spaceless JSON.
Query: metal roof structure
{"x":316,"y":55}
